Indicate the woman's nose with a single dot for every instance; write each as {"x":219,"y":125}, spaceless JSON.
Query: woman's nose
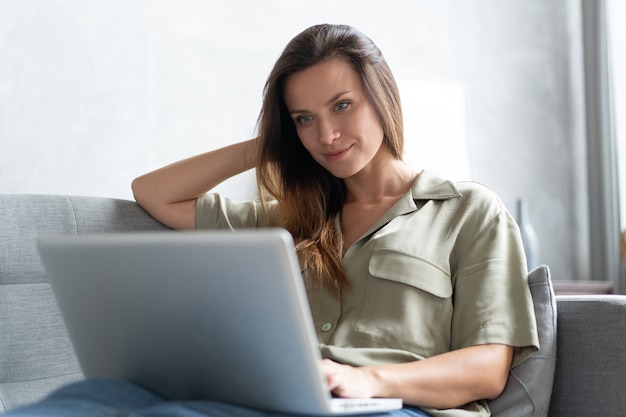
{"x":328,"y":132}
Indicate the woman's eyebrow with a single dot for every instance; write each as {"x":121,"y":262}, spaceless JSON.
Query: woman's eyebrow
{"x":336,"y":96}
{"x":332,"y":99}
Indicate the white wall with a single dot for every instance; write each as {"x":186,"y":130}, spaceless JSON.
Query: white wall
{"x":94,"y":93}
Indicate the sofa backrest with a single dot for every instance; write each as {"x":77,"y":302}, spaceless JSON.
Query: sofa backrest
{"x":35,"y":353}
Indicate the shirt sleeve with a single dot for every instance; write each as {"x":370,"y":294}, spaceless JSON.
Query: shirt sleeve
{"x":216,"y":212}
{"x":492,"y":299}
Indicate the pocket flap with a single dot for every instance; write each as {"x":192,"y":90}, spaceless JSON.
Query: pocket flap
{"x":401,"y":267}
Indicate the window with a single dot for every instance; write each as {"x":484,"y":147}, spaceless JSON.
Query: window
{"x":600,"y":51}
{"x":616,"y":12}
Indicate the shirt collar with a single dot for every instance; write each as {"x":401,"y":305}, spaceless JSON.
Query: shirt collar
{"x":425,"y":187}
{"x":430,"y":187}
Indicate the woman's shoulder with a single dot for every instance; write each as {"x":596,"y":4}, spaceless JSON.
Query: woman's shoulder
{"x":479,"y":199}
{"x":467,"y":198}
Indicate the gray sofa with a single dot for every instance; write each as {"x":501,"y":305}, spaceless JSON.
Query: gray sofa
{"x":579,"y":371}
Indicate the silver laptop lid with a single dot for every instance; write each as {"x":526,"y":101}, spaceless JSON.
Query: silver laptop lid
{"x":214,"y":315}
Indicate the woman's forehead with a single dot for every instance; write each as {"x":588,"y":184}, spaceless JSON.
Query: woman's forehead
{"x":320,"y":83}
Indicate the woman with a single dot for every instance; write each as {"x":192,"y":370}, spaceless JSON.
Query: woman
{"x":417,"y":286}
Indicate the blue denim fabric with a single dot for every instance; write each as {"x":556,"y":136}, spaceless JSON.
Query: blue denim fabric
{"x":117,"y":398}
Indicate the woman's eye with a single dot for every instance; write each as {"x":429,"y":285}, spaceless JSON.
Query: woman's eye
{"x":342,"y":106}
{"x":303,"y":119}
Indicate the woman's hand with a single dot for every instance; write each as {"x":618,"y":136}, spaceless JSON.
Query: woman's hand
{"x":349,"y":381}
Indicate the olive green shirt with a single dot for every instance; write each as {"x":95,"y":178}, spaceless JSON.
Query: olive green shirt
{"x":441,"y":270}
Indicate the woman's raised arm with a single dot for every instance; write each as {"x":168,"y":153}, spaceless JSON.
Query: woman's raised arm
{"x":169,"y":194}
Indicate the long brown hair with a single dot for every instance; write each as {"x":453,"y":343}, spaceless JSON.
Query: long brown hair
{"x":309,"y":196}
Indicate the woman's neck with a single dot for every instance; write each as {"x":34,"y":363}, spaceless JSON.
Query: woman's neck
{"x":391,"y":179}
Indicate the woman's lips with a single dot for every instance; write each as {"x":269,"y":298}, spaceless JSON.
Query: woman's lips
{"x":333,"y":156}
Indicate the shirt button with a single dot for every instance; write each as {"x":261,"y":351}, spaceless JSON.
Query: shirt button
{"x":326,"y":327}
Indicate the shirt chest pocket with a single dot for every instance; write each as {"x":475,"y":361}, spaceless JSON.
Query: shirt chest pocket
{"x":407,"y":304}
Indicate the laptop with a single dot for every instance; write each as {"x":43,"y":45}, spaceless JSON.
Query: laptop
{"x":214,"y":315}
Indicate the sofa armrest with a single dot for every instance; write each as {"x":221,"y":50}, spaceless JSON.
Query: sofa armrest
{"x":591,"y":356}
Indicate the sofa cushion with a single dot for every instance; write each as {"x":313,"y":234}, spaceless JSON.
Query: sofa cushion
{"x":528,"y":390}
{"x":37,"y":355}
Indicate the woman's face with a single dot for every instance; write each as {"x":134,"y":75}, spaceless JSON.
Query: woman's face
{"x":334,"y":118}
